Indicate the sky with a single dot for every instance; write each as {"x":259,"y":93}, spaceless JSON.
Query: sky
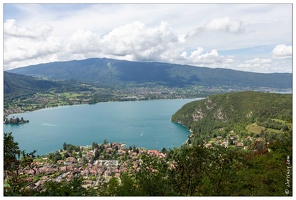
{"x":246,"y":37}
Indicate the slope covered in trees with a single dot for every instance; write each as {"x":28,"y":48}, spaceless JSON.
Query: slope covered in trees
{"x":110,"y":71}
{"x":17,"y":86}
{"x":234,"y":111}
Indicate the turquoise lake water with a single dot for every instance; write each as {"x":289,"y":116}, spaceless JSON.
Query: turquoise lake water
{"x":141,"y":123}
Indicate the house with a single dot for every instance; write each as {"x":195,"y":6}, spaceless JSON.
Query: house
{"x":63,"y":169}
{"x":109,"y":150}
{"x":71,"y":159}
{"x":163,"y":155}
{"x":60,"y":162}
{"x":134,"y":154}
{"x":115,"y":144}
{"x":85,"y":172}
{"x":76,"y":171}
{"x":70,"y":167}
{"x":117,"y":175}
{"x":67,"y":163}
{"x":93,"y":171}
{"x":153,"y":152}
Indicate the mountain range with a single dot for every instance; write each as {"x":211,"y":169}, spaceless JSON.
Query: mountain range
{"x":110,"y":71}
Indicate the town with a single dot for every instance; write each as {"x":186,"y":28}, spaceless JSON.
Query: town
{"x":94,"y":163}
{"x":97,"y":163}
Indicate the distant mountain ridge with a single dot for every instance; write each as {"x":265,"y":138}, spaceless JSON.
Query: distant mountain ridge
{"x":110,"y":71}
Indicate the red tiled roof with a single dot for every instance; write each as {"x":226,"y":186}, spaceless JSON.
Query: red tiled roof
{"x":153,"y":152}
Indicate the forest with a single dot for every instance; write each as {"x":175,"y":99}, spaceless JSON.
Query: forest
{"x":240,"y":114}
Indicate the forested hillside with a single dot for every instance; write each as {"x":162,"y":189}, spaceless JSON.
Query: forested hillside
{"x":16,"y":85}
{"x":20,"y":86}
{"x":243,"y":113}
{"x":110,"y":71}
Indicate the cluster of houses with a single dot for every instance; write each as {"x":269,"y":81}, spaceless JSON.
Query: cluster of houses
{"x":127,"y":161}
{"x":226,"y":142}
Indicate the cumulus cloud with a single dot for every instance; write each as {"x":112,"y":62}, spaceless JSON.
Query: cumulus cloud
{"x":40,"y":33}
{"x":81,"y":42}
{"x":212,"y":58}
{"x":255,"y":65}
{"x":282,"y":51}
{"x":138,"y":41}
{"x":24,"y":45}
{"x":11,"y":29}
{"x":133,"y":41}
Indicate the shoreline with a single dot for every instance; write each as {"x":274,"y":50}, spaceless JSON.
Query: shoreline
{"x":5,"y":115}
{"x":181,"y":100}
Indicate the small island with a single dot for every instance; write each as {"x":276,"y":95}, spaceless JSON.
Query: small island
{"x":16,"y":120}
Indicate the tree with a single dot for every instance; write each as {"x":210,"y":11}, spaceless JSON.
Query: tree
{"x":72,"y":188}
{"x":112,"y":186}
{"x":97,"y":155}
{"x":94,"y":145}
{"x":220,"y":178}
{"x":186,"y":174}
{"x":15,"y":161}
{"x":64,"y":146}
{"x":152,"y":179}
{"x":127,"y":186}
{"x":105,"y":141}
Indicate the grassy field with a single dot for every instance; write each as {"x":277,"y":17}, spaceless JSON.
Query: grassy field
{"x":254,"y":128}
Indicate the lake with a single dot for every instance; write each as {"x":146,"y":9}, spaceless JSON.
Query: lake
{"x":141,"y":123}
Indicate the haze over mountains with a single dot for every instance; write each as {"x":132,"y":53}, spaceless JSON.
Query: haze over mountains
{"x":110,"y":71}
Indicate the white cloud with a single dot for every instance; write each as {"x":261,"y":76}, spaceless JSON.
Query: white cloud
{"x":81,"y":42}
{"x":22,"y":45}
{"x":133,"y":41}
{"x":40,"y":33}
{"x":224,"y":24}
{"x":282,"y":51}
{"x":255,"y":65}
{"x":211,"y":59}
{"x":10,"y":29}
{"x":139,"y":41}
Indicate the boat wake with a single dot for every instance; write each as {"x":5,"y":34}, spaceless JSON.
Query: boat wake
{"x":48,"y":124}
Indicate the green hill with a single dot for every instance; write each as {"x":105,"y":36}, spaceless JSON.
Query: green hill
{"x":236,"y":111}
{"x":110,"y":71}
{"x":16,"y":86}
